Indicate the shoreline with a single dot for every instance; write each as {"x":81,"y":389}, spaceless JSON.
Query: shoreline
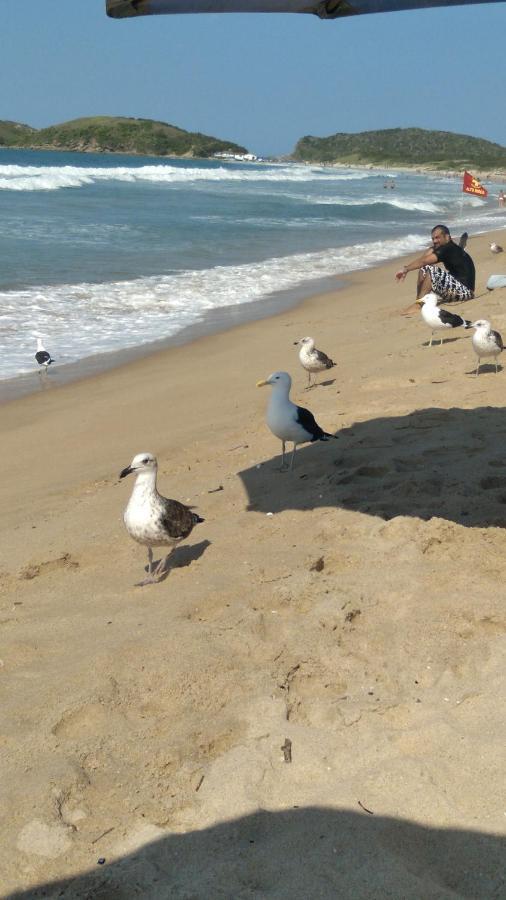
{"x":213,"y":321}
{"x":349,"y":607}
{"x":498,"y":175}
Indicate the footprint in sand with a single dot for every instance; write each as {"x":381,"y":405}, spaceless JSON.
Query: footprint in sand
{"x":49,"y":841}
{"x":33,"y":570}
{"x":93,"y":718}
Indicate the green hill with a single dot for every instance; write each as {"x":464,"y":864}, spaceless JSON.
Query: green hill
{"x":11,"y":132}
{"x":403,"y":147}
{"x":113,"y":134}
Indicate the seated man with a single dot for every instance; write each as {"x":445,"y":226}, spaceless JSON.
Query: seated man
{"x":454,"y":282}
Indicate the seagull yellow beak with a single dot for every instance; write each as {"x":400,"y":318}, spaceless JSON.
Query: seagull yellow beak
{"x":262,"y":383}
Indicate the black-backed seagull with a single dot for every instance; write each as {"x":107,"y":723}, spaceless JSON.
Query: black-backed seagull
{"x":151,"y":519}
{"x":486,"y":342}
{"x":311,"y":359}
{"x":42,"y":356}
{"x":286,"y":420}
{"x":438,"y":319}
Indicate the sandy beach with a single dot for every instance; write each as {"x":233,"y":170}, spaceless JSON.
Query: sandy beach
{"x":310,"y":704}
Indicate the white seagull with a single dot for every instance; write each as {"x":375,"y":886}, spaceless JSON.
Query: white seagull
{"x":311,"y":359}
{"x":151,"y":519}
{"x":287,"y":421}
{"x":496,"y":248}
{"x":42,"y":356}
{"x":438,"y":319}
{"x":486,"y":342}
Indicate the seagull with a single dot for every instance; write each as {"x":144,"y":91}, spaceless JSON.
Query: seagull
{"x":438,"y":319}
{"x":486,"y":342}
{"x":311,"y":359}
{"x":496,"y":248}
{"x":463,"y":240}
{"x":287,"y":421}
{"x":151,"y":519}
{"x":42,"y":356}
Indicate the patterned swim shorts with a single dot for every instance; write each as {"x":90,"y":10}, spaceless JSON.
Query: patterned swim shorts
{"x":445,"y":285}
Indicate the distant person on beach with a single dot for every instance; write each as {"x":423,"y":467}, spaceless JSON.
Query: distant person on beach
{"x":501,"y":198}
{"x":455,"y":282}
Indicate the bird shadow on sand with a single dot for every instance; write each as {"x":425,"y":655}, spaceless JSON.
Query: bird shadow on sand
{"x":180,"y":558}
{"x":437,"y":341}
{"x":486,"y":368}
{"x":431,"y":463}
{"x":298,"y":854}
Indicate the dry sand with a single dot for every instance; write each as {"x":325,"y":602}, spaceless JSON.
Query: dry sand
{"x":363,"y":621}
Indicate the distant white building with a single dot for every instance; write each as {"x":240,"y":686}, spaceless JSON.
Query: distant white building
{"x":240,"y":157}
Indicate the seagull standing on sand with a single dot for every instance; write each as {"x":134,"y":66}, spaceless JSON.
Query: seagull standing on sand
{"x":496,"y":248}
{"x":42,"y":356}
{"x":311,"y":359}
{"x":438,"y":319}
{"x":486,"y":342}
{"x":287,"y":421}
{"x":151,"y":519}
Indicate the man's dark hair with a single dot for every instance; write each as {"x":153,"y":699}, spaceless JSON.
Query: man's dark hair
{"x":442,"y":228}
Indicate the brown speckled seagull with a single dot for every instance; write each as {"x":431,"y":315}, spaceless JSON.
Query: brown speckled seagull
{"x":151,"y":519}
{"x":311,"y":359}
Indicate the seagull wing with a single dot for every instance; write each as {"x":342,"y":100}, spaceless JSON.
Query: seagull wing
{"x":451,"y":320}
{"x":497,"y":338}
{"x":176,"y":519}
{"x":42,"y":356}
{"x":308,"y":422}
{"x":324,"y":359}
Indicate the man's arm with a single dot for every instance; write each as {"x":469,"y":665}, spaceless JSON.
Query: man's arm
{"x":429,"y":258}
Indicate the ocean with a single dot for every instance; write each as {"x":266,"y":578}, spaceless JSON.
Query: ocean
{"x":99,"y":252}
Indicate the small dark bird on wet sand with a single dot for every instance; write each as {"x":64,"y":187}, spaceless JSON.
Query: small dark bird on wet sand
{"x":151,"y":519}
{"x":42,"y":356}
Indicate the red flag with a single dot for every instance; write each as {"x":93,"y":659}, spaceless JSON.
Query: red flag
{"x":471,"y":185}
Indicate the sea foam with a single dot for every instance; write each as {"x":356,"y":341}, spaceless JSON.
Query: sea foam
{"x":80,"y":320}
{"x":54,"y":178}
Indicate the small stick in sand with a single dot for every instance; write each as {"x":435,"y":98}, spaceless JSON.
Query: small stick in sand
{"x":99,"y":838}
{"x":365,"y":808}
{"x":287,"y":750}
{"x":200,"y":783}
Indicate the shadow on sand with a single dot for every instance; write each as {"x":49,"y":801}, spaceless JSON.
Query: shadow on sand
{"x":301,"y":854}
{"x":432,"y":462}
{"x":180,"y":557}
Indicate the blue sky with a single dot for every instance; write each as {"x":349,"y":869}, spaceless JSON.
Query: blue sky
{"x":260,"y":80}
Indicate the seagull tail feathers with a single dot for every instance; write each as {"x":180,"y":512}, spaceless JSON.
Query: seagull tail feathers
{"x":466,"y":323}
